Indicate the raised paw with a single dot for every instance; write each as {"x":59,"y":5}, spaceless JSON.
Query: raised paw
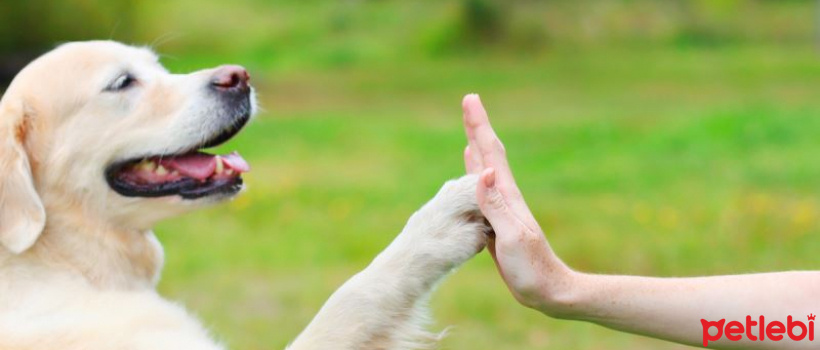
{"x":449,"y":229}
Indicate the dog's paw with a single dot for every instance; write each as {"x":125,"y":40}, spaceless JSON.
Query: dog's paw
{"x":449,"y":229}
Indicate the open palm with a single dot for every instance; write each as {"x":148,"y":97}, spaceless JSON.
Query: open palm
{"x":520,"y":250}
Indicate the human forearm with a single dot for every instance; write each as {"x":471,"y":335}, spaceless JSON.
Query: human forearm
{"x":672,"y":308}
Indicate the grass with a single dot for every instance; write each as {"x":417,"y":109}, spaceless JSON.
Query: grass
{"x":648,"y":139}
{"x":659,"y":161}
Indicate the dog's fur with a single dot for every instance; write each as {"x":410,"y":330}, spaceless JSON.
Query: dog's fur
{"x":79,"y":262}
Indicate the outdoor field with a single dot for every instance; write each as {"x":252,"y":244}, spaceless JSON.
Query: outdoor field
{"x":660,"y":150}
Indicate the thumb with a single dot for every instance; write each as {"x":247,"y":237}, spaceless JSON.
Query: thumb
{"x":492,"y":204}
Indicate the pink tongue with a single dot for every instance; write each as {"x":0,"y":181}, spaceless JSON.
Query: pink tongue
{"x":201,"y":166}
{"x":197,"y":165}
{"x":236,"y":162}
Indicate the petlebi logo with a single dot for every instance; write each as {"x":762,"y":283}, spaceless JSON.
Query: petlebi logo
{"x":759,"y":330}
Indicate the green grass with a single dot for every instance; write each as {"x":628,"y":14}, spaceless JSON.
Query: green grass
{"x":662,"y":162}
{"x":648,"y":138}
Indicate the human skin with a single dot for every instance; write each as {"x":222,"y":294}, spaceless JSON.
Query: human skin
{"x":663,"y":308}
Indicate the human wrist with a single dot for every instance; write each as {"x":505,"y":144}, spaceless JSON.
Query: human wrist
{"x":559,"y":294}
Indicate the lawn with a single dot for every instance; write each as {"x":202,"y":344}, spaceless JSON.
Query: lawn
{"x":663,"y":138}
{"x":647,"y":140}
{"x":668,"y":161}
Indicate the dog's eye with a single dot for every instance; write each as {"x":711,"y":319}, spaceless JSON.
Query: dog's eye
{"x":122,"y":82}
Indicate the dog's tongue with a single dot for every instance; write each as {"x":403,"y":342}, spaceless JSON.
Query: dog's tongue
{"x":236,"y":162}
{"x":202,"y":165}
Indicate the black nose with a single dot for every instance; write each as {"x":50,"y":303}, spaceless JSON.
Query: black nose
{"x":231,"y":78}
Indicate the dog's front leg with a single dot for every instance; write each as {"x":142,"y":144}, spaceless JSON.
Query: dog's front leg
{"x":382,"y":307}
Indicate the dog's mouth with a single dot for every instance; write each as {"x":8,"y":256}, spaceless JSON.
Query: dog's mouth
{"x":190,"y":174}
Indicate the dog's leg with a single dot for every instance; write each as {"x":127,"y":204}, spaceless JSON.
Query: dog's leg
{"x":382,"y":307}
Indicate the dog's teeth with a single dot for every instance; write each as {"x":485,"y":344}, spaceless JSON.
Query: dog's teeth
{"x":146,"y":165}
{"x":175,"y":173}
{"x":219,"y":166}
{"x":229,"y":172}
{"x":161,"y":170}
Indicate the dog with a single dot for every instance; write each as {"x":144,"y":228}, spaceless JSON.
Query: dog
{"x":99,"y":142}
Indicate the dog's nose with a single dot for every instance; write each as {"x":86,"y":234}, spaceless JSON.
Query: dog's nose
{"x":231,"y":78}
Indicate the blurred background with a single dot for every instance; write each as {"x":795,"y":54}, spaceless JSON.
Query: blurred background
{"x":668,"y":138}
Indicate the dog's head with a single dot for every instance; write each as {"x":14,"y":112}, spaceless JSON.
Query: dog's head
{"x":102,"y":129}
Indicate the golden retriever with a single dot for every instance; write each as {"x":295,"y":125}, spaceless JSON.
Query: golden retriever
{"x":99,"y":142}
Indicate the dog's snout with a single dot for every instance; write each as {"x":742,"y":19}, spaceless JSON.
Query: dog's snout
{"x":231,"y":78}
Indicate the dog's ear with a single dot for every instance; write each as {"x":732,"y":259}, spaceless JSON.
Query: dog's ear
{"x":22,"y":216}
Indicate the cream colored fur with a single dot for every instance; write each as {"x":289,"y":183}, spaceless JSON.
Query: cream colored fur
{"x":79,"y":263}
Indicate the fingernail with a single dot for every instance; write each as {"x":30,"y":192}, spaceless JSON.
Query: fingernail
{"x":464,"y":101}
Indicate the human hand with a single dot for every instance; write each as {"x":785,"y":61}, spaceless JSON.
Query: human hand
{"x":663,"y":308}
{"x":533,"y":273}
